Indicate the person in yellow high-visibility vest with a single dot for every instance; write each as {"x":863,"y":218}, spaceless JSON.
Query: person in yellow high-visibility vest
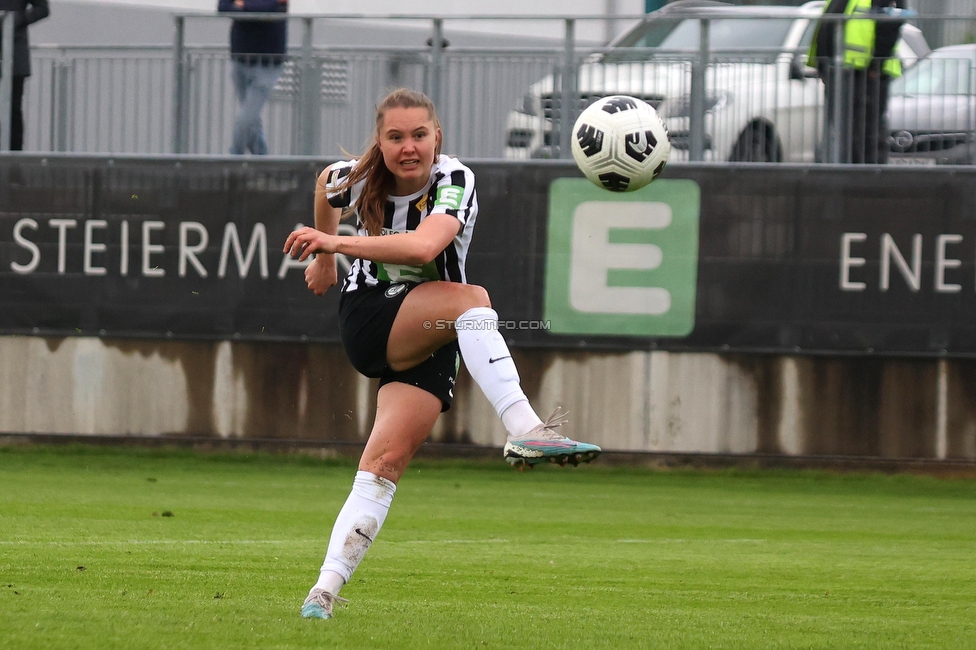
{"x":861,"y":84}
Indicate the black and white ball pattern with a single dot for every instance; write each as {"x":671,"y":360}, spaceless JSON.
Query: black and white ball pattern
{"x":620,"y":143}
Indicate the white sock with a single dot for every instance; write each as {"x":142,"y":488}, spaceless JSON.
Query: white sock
{"x":489,"y":361}
{"x":521,"y":418}
{"x":357,"y":525}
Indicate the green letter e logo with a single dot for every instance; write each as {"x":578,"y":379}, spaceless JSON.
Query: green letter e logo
{"x":622,"y":264}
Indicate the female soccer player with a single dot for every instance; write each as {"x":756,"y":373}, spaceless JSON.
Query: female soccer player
{"x":405,"y":311}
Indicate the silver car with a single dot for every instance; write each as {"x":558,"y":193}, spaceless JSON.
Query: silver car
{"x":932,"y":109}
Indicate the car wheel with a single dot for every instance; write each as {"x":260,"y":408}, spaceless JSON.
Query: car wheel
{"x":757,"y":143}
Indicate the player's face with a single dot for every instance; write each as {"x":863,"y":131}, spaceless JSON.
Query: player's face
{"x":407,"y":138}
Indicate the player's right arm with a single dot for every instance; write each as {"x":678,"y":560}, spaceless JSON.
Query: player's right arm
{"x":321,"y":274}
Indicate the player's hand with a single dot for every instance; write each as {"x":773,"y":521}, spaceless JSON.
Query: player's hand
{"x":321,"y":274}
{"x":303,"y":242}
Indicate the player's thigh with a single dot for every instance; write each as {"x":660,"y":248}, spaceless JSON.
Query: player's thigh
{"x":425,"y":320}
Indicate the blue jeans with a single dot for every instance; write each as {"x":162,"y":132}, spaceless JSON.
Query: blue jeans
{"x":252,"y":85}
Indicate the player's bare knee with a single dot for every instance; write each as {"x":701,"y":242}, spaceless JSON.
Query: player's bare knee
{"x":476,"y":296}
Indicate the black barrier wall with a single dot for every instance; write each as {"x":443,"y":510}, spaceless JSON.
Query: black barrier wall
{"x":766,"y":258}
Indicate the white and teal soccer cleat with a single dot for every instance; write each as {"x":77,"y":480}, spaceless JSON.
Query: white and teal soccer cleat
{"x":319,"y":604}
{"x":542,"y":444}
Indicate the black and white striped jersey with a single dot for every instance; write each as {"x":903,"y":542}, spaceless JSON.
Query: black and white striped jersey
{"x":450,"y":190}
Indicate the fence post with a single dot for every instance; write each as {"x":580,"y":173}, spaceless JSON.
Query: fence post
{"x":436,"y":61}
{"x":309,"y":104}
{"x":970,"y":117}
{"x":60,"y":141}
{"x":6,"y":77}
{"x":835,"y":139}
{"x":180,"y":125}
{"x":696,"y":118}
{"x":568,"y":94}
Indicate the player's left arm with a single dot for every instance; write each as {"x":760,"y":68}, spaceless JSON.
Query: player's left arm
{"x":414,"y":248}
{"x":454,"y":202}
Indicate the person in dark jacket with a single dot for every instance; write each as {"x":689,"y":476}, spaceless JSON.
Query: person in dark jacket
{"x":257,"y":50}
{"x":26,"y":12}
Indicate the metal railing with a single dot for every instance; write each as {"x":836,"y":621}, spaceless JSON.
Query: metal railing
{"x":721,"y":103}
{"x":6,"y":76}
{"x":115,"y":100}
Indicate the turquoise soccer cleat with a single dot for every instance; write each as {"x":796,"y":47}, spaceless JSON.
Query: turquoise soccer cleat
{"x":542,"y":444}
{"x":319,"y":604}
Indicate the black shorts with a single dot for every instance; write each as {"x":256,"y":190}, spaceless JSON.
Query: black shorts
{"x":366,"y":317}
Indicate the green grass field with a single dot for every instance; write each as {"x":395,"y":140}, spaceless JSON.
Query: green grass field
{"x":476,"y":555}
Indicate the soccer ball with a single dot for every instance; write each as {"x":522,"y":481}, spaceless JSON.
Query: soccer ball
{"x":620,"y":143}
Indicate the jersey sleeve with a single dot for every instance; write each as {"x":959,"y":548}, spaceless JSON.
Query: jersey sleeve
{"x":454,"y":190}
{"x":341,"y":197}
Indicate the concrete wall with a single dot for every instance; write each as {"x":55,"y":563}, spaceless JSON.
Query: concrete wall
{"x":636,"y":401}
